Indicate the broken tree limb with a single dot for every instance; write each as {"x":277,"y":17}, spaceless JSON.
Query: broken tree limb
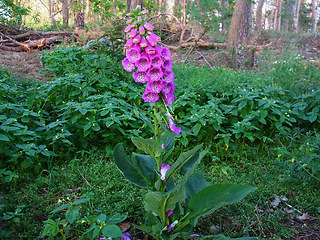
{"x":16,"y":42}
{"x":39,"y":34}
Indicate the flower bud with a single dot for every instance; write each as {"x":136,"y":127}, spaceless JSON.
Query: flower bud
{"x":145,"y":11}
{"x":143,"y":43}
{"x":133,"y":33}
{"x":142,"y":30}
{"x":129,"y":21}
{"x":151,"y":41}
{"x":148,"y":26}
{"x":156,"y":37}
{"x":139,"y":19}
{"x":137,"y":39}
{"x":128,"y":28}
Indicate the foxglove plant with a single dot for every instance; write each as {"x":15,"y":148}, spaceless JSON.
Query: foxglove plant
{"x":173,"y":206}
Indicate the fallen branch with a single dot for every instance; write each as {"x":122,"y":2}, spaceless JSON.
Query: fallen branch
{"x":85,"y":179}
{"x":39,"y":33}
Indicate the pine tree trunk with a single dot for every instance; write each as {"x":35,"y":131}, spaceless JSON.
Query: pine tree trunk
{"x":277,"y":16}
{"x":314,"y":15}
{"x":259,"y":18}
{"x":65,"y":12}
{"x":240,"y":21}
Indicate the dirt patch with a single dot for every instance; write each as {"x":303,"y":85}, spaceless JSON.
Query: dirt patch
{"x":23,"y":64}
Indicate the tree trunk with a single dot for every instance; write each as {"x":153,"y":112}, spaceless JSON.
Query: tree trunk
{"x":259,"y":18}
{"x":115,"y":9}
{"x":132,"y":4}
{"x":288,"y":19}
{"x":238,"y":31}
{"x":314,"y":15}
{"x":277,"y":16}
{"x":170,"y":9}
{"x":65,"y":12}
{"x":296,"y":16}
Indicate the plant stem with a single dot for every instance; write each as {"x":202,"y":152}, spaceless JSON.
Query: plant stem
{"x":156,"y":123}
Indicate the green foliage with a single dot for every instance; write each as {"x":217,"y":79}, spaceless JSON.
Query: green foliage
{"x":11,"y":12}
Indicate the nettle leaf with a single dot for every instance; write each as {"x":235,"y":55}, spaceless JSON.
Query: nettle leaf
{"x":72,"y":215}
{"x":140,"y":170}
{"x":215,"y":196}
{"x":149,"y":146}
{"x":4,"y":138}
{"x":196,"y":129}
{"x":111,"y":231}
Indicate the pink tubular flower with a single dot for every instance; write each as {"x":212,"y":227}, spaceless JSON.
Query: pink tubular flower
{"x":148,"y":26}
{"x":133,"y":33}
{"x":143,"y":43}
{"x":163,"y":170}
{"x":172,"y":225}
{"x":128,"y":28}
{"x":133,"y":54}
{"x":168,"y":76}
{"x":167,"y":64}
{"x":169,"y":98}
{"x":127,"y":65}
{"x":150,"y":50}
{"x":137,"y":39}
{"x":156,"y":61}
{"x":140,"y":77}
{"x":126,"y":236}
{"x":150,"y":97}
{"x":154,"y":36}
{"x":143,"y":64}
{"x":169,"y":212}
{"x":151,"y":41}
{"x":154,"y":87}
{"x":145,"y":11}
{"x":129,"y":44}
{"x":165,"y":53}
{"x":142,"y":30}
{"x":172,"y":126}
{"x":155,"y":74}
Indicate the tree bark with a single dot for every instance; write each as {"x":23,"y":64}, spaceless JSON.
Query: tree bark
{"x":314,"y":15}
{"x":115,"y":8}
{"x":132,"y":4}
{"x":296,"y":16}
{"x":277,"y":16}
{"x":169,"y":9}
{"x":259,"y":18}
{"x":65,"y":12}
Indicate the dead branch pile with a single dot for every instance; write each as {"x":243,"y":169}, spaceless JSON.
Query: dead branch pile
{"x":19,"y":40}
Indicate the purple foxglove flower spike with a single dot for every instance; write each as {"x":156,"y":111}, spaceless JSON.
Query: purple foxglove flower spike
{"x":129,"y":44}
{"x":150,"y":97}
{"x":148,"y":26}
{"x":127,"y":65}
{"x":150,"y":50}
{"x":165,"y":53}
{"x":140,"y":77}
{"x":155,"y":74}
{"x":126,"y":236}
{"x":172,"y":225}
{"x":169,"y":212}
{"x":143,"y":43}
{"x":169,"y":88}
{"x":163,"y":170}
{"x":133,"y":54}
{"x":137,"y":39}
{"x":133,"y":33}
{"x":172,"y":126}
{"x":142,"y":30}
{"x":151,"y":41}
{"x":154,"y":87}
{"x":139,"y":19}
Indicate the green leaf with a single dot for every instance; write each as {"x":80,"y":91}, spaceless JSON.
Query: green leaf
{"x":101,"y":218}
{"x":149,"y":146}
{"x":111,"y":231}
{"x":140,"y":170}
{"x":196,"y":129}
{"x":168,"y":140}
{"x":4,"y":138}
{"x":182,"y":160}
{"x":72,"y":215}
{"x":195,"y":184}
{"x":116,"y":218}
{"x":81,"y":200}
{"x":242,"y":105}
{"x":159,"y":202}
{"x":215,"y":196}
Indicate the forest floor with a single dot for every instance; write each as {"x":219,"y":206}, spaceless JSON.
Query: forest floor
{"x":28,"y":64}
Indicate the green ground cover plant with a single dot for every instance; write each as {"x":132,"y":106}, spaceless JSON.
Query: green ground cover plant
{"x":259,"y":131}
